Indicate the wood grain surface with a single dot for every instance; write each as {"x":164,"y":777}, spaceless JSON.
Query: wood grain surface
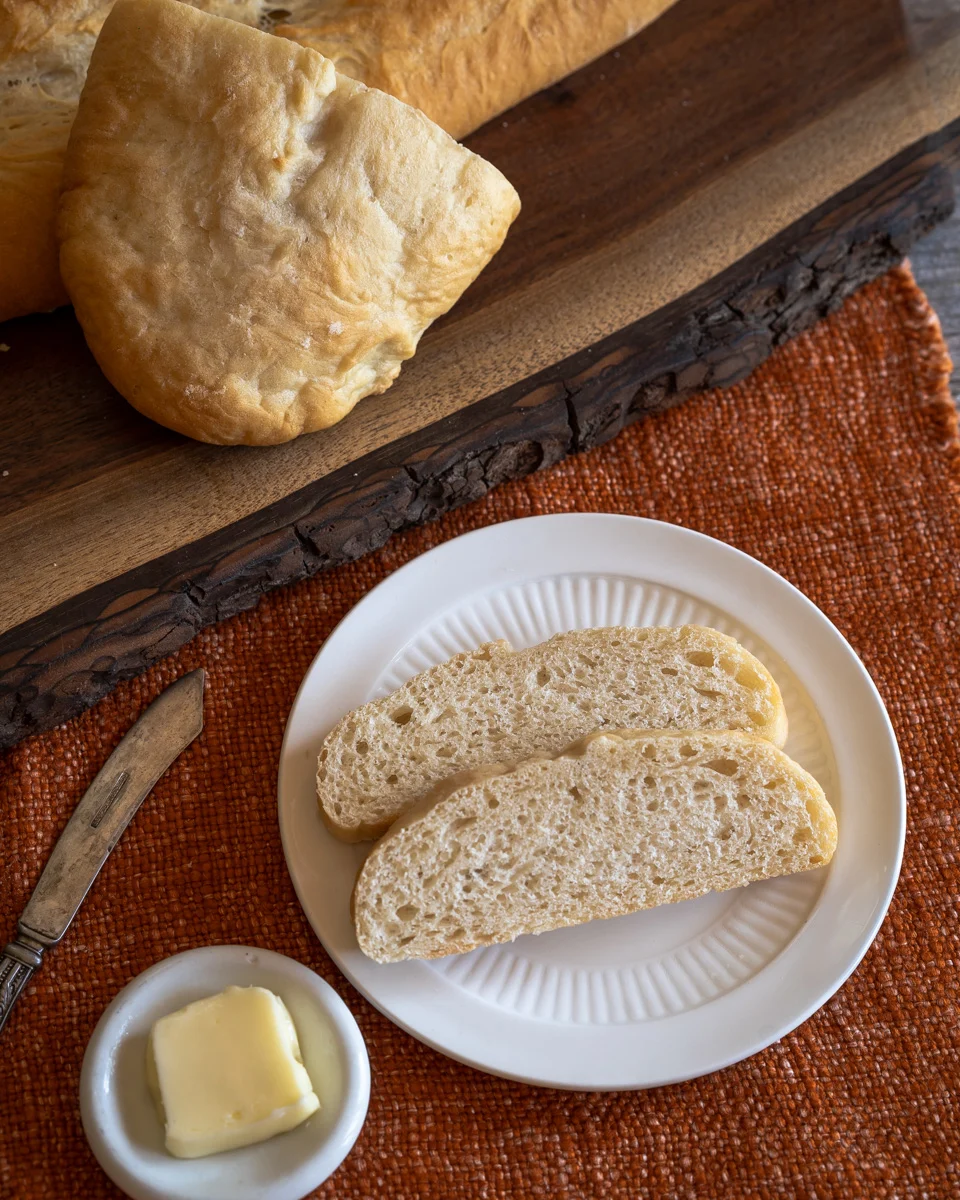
{"x":690,"y":201}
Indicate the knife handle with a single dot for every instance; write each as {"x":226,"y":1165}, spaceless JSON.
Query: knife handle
{"x":19,"y":960}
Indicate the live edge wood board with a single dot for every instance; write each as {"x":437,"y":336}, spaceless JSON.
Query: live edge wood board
{"x":690,"y":202}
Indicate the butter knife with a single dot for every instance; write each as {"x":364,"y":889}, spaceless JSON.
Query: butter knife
{"x":124,"y":781}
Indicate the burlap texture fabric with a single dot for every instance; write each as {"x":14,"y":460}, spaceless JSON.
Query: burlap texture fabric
{"x":837,"y":464}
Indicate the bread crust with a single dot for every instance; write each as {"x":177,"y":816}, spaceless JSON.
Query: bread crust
{"x":45,"y":47}
{"x":464,"y":63}
{"x":30,"y":170}
{"x":460,"y":61}
{"x":253,"y":243}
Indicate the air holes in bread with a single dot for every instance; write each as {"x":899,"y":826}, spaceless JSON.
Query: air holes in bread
{"x":274,"y":16}
{"x":498,"y":705}
{"x":747,"y":677}
{"x":723,"y":766}
{"x":579,"y":836}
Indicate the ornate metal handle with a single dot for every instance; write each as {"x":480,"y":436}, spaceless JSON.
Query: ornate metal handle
{"x":19,"y":960}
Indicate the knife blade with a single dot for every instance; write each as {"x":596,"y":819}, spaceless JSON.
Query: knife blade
{"x":124,"y":781}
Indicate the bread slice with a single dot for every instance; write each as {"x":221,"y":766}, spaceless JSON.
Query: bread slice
{"x":618,"y":822}
{"x":497,"y":704}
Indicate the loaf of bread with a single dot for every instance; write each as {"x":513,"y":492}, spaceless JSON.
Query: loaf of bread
{"x":461,"y":61}
{"x":619,"y":822}
{"x":252,"y":242}
{"x":497,"y":704}
{"x":464,"y":61}
{"x":44,"y":51}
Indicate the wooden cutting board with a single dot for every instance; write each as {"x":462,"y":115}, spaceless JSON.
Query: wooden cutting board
{"x":690,"y":201}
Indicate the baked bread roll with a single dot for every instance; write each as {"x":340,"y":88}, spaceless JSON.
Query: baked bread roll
{"x":44,"y":51}
{"x":497,"y":704}
{"x":253,"y":243}
{"x":461,"y":61}
{"x":464,"y":61}
{"x":617,"y":823}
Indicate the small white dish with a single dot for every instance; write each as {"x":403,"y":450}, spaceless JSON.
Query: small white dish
{"x":658,"y":996}
{"x":122,"y":1125}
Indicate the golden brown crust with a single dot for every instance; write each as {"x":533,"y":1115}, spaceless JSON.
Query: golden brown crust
{"x":29,"y":25}
{"x":460,"y":61}
{"x":45,"y":46}
{"x":463,"y":63}
{"x":251,"y":242}
{"x":30,"y":170}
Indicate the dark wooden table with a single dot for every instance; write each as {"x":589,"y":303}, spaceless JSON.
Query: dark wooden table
{"x":936,"y":264}
{"x":936,"y":258}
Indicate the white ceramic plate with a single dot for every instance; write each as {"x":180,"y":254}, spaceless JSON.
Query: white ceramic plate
{"x":118,"y":1114}
{"x":662,"y":995}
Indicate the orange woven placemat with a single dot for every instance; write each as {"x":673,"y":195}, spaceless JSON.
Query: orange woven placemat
{"x":837,"y":464}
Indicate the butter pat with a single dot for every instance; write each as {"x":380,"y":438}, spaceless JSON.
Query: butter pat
{"x":226,"y":1072}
